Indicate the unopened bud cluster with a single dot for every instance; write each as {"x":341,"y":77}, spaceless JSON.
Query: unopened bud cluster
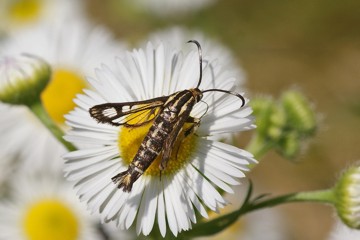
{"x":285,"y":123}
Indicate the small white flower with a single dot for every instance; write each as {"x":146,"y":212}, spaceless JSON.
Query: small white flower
{"x":192,"y":175}
{"x":73,"y":48}
{"x":170,"y":7}
{"x":20,"y":14}
{"x":44,"y":208}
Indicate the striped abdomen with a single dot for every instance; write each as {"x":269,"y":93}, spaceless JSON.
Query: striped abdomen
{"x":175,"y":111}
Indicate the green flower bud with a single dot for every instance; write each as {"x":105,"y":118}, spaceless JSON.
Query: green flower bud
{"x":299,"y":112}
{"x":262,"y":110}
{"x":347,"y":194}
{"x":290,"y":145}
{"x":22,"y":79}
{"x":277,"y":123}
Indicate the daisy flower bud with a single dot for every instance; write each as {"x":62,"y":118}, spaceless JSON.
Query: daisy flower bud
{"x":277,"y":123}
{"x":290,"y":145}
{"x":282,"y":124}
{"x":23,"y":78}
{"x":347,"y":193}
{"x":262,"y":107}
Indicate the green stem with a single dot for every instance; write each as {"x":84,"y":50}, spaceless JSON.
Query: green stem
{"x":217,"y":225}
{"x":258,"y":146}
{"x":322,"y":196}
{"x":38,"y":109}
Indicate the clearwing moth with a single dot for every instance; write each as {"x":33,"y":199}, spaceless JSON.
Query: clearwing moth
{"x":168,"y":115}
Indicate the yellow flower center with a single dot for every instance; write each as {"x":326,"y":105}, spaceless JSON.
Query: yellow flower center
{"x":130,"y":139}
{"x":50,"y":219}
{"x":59,"y":94}
{"x":24,"y":10}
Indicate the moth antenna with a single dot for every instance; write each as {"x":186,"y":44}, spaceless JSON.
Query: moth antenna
{"x":228,"y":92}
{"x":200,"y":59}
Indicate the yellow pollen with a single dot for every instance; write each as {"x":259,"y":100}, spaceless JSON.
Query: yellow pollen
{"x":59,"y":94}
{"x":130,"y":140}
{"x":24,"y":10}
{"x":50,"y":219}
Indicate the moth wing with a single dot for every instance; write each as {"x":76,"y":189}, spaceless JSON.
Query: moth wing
{"x":170,"y":143}
{"x":168,"y":147}
{"x":129,"y":114}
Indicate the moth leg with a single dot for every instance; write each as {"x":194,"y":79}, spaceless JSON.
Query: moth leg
{"x":194,"y":126}
{"x":187,"y":132}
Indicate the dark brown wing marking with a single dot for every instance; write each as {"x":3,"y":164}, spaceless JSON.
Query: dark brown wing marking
{"x":169,"y":145}
{"x":116,"y":113}
{"x":170,"y":142}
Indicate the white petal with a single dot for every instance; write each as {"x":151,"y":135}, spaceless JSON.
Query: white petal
{"x":217,"y":180}
{"x":206,"y":192}
{"x":191,"y":194}
{"x":161,"y":210}
{"x":147,"y":211}
{"x":189,"y":211}
{"x":170,"y":211}
{"x":134,"y":201}
{"x":182,"y":220}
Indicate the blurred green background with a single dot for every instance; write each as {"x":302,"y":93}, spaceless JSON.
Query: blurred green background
{"x":311,"y":44}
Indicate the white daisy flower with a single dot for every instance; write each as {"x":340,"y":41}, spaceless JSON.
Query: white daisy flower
{"x":198,"y":165}
{"x":73,"y":49}
{"x":20,"y":14}
{"x":170,"y":7}
{"x":44,"y":208}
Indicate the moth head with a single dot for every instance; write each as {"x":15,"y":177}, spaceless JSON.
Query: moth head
{"x":197,"y":94}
